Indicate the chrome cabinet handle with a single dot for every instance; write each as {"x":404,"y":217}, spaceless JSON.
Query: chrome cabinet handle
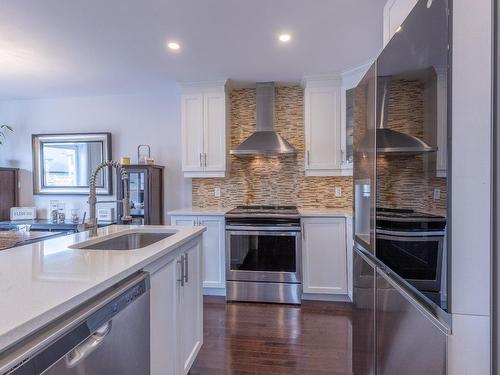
{"x":181,"y":262}
{"x":186,"y":265}
{"x":307,"y":157}
{"x":342,"y":156}
{"x":303,"y":228}
{"x":201,"y":160}
{"x":205,"y":157}
{"x":82,"y":351}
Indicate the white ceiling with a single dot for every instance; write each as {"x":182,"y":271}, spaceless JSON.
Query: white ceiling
{"x":86,"y":47}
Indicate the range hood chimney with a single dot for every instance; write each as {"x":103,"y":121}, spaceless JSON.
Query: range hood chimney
{"x":391,"y":141}
{"x":264,"y":141}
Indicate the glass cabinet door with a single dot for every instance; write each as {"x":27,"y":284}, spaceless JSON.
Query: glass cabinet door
{"x":349,"y":125}
{"x":137,"y":196}
{"x":364,"y":118}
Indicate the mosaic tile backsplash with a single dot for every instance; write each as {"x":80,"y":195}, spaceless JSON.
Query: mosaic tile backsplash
{"x":408,"y":181}
{"x":271,"y":180}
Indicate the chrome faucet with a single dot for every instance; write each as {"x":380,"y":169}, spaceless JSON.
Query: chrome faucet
{"x":92,"y":221}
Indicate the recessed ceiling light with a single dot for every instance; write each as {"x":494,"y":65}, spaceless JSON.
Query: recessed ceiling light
{"x":285,"y":38}
{"x":399,"y":29}
{"x":173,"y":46}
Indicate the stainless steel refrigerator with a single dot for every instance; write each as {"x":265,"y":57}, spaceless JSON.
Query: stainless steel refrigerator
{"x":401,"y":194}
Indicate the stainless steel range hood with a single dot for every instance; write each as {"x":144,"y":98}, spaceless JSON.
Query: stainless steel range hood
{"x":265,"y":141}
{"x":391,"y":141}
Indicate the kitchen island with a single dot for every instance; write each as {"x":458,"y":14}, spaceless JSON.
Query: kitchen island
{"x":43,"y":281}
{"x":12,"y":238}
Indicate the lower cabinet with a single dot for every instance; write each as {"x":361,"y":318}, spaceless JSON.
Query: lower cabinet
{"x":176,"y":311}
{"x":213,"y":254}
{"x":189,"y":309}
{"x":324,"y":255}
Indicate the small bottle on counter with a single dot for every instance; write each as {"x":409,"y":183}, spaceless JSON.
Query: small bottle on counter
{"x":75,"y":215}
{"x":54,"y":211}
{"x":61,"y":213}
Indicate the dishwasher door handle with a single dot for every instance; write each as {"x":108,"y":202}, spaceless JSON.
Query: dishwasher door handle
{"x":82,"y":351}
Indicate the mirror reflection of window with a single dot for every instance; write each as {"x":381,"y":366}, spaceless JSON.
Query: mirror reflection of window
{"x":70,"y":164}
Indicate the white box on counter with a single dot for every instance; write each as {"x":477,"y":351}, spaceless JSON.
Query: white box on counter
{"x":22,"y":213}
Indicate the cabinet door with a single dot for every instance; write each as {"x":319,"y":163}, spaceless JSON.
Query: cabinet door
{"x":322,"y":129}
{"x":190,"y":311}
{"x":163,"y":329}
{"x":213,"y":252}
{"x":214,"y":135}
{"x":324,"y":255}
{"x":192,"y":132}
{"x":190,"y":221}
{"x":9,"y":194}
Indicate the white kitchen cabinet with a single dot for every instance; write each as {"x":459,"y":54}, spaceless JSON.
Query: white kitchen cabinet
{"x":324,"y":255}
{"x":205,"y":129}
{"x":189,"y":322}
{"x":349,"y":251}
{"x":213,"y":254}
{"x":192,"y":132}
{"x":325,"y":141}
{"x":163,"y":326}
{"x":176,"y":311}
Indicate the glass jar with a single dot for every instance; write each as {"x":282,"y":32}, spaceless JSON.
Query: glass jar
{"x":54,"y":211}
{"x":75,"y":215}
{"x":61,"y":213}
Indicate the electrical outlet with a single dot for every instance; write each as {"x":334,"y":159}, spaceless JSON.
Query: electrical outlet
{"x":338,"y":191}
{"x":217,"y":192}
{"x":437,"y":194}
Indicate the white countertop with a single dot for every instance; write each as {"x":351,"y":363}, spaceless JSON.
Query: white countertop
{"x":304,"y":212}
{"x":200,"y":211}
{"x":325,"y":212}
{"x":41,"y":281}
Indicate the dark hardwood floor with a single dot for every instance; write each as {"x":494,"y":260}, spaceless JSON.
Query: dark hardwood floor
{"x":247,"y":338}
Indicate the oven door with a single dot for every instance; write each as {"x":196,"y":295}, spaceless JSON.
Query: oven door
{"x":416,"y":258}
{"x":263,"y":255}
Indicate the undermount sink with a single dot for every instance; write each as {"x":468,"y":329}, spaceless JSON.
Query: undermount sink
{"x":128,"y":241}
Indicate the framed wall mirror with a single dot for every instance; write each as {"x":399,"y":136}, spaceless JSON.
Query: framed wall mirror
{"x":63,"y":163}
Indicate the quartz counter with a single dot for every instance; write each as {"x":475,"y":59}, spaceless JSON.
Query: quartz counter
{"x":42,"y":281}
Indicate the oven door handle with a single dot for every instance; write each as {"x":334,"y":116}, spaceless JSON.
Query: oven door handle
{"x":400,"y":234}
{"x":259,"y":229}
{"x":263,"y":233}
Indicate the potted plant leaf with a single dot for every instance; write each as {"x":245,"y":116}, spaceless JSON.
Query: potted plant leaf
{"x":3,"y":129}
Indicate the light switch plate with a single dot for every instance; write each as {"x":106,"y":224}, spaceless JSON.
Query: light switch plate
{"x":217,"y":192}
{"x":338,"y":191}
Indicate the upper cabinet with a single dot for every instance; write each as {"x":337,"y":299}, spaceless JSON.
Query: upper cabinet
{"x":205,"y":129}
{"x":328,"y":119}
{"x":323,"y":150}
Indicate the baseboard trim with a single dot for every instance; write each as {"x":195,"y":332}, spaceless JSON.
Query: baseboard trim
{"x":214,"y":292}
{"x":326,"y":297}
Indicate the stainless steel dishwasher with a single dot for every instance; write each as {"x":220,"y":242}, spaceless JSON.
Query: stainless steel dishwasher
{"x":108,"y":336}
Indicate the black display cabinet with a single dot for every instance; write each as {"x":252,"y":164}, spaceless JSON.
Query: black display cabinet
{"x":146,"y":194}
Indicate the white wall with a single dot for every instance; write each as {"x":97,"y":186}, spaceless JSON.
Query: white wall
{"x":152,"y":118}
{"x":469,"y":345}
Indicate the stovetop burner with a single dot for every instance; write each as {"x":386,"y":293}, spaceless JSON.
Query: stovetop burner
{"x":264,"y":210}
{"x":264,"y":214}
{"x":406,"y":214}
{"x":408,"y":220}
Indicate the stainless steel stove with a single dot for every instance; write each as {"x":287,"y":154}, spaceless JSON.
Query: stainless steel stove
{"x":411,"y":244}
{"x":263,"y":254}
